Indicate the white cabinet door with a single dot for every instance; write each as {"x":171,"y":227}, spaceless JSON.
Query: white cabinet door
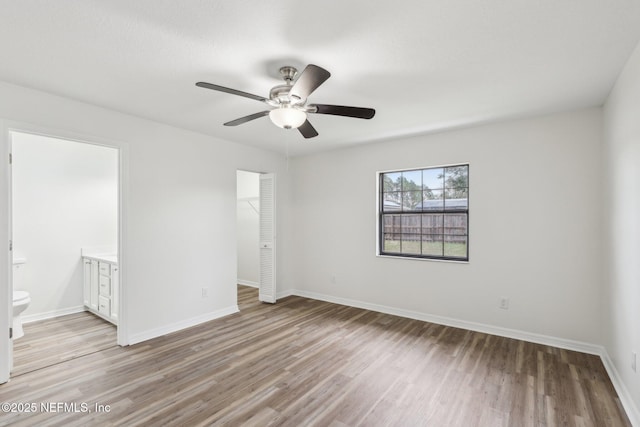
{"x":115,"y":284}
{"x":86,"y":290}
{"x":94,"y":285}
{"x":101,"y":288}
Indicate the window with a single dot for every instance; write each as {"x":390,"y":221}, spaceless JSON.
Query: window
{"x":424,"y":213}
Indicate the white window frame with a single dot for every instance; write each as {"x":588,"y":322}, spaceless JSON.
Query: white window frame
{"x":444,"y":211}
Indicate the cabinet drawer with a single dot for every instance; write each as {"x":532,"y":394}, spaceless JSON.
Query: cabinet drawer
{"x":105,"y":269}
{"x":104,"y":305}
{"x":105,"y":286}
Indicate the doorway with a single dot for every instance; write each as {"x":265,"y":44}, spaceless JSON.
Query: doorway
{"x":256,"y":238}
{"x":65,"y":216}
{"x":248,"y":226}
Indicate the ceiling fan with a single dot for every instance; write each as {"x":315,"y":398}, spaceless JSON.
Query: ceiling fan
{"x":290,"y":101}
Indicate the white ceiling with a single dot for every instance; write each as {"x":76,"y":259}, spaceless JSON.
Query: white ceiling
{"x":423,"y":65}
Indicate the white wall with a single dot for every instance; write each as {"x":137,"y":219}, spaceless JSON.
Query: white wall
{"x":65,"y":197}
{"x":621,"y":203}
{"x":535,"y":227}
{"x":248,"y":226}
{"x":179,"y":196}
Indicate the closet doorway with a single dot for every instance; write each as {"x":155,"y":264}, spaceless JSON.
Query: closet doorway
{"x":256,"y":233}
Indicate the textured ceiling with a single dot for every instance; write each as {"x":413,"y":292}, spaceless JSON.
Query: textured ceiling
{"x":423,"y":65}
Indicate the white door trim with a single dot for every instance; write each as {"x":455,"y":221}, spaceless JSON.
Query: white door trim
{"x":6,"y":268}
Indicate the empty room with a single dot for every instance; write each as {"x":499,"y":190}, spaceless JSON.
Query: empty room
{"x":413,"y":213}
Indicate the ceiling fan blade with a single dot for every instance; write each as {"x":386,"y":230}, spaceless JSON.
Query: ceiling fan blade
{"x":246,"y":119}
{"x":340,"y":110}
{"x":307,"y":130}
{"x":310,"y":79}
{"x":231,"y":91}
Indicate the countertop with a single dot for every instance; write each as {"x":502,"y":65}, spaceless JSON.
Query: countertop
{"x":110,"y":258}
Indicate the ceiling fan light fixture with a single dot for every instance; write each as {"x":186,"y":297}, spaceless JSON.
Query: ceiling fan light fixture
{"x":287,"y":117}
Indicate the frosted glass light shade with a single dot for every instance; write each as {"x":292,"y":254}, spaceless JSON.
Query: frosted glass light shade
{"x":287,"y":117}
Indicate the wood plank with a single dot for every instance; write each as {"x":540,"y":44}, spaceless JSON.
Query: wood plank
{"x":305,"y":362}
{"x":51,"y":341}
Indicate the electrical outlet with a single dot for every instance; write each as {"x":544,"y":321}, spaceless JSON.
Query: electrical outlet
{"x":205,"y":292}
{"x":504,"y":303}
{"x":633,"y":361}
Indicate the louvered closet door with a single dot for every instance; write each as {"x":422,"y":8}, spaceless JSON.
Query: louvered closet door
{"x":267,"y":238}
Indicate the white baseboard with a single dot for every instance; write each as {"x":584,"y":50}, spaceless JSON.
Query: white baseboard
{"x":51,"y":314}
{"x":174,"y":327}
{"x":284,"y":294}
{"x":624,"y":395}
{"x":598,"y":350}
{"x":248,"y":283}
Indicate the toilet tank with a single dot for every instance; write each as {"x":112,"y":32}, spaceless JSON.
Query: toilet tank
{"x":18,"y":273}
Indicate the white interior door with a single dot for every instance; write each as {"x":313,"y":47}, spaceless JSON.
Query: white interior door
{"x":6,"y":298}
{"x":267,"y":291}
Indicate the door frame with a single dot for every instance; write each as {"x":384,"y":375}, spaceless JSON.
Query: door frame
{"x":275,"y":220}
{"x":6,"y":228}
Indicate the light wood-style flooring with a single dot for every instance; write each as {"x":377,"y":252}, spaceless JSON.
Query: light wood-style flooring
{"x":52,"y":341}
{"x":303,"y":362}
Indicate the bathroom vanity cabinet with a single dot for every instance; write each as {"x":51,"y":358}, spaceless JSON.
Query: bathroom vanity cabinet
{"x":101,"y":286}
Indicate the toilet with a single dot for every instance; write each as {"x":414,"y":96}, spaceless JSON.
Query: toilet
{"x":21,"y":301}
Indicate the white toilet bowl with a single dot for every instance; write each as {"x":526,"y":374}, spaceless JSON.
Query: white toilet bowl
{"x":21,"y":301}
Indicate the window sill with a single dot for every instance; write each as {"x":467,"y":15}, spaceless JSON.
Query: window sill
{"x":455,"y":261}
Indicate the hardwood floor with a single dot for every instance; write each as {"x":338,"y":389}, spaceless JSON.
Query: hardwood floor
{"x":303,"y":362}
{"x":49,"y":342}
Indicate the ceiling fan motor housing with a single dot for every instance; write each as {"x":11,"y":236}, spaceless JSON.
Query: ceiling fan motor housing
{"x":280,"y":94}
